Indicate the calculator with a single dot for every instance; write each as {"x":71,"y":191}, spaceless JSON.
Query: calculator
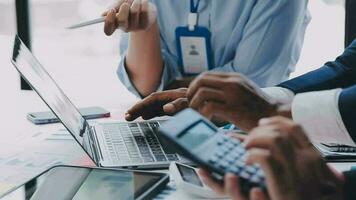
{"x":196,"y":138}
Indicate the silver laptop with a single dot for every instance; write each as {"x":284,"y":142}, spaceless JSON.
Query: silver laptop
{"x":108,"y":144}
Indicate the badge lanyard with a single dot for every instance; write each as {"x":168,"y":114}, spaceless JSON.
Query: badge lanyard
{"x":193,"y":44}
{"x":193,"y":15}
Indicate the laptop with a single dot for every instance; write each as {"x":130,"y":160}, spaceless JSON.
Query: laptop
{"x":108,"y":144}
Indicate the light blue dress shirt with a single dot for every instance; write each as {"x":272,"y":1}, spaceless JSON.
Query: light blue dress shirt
{"x":261,"y":39}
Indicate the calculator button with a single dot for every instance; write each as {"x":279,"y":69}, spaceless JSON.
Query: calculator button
{"x":213,"y":160}
{"x":260,"y":173}
{"x":236,"y":142}
{"x":223,"y":165}
{"x":219,"y":154}
{"x":220,"y":142}
{"x":235,"y":155}
{"x":230,"y":145}
{"x":251,"y":169}
{"x":255,"y":179}
{"x":245,"y":175}
{"x":239,"y":150}
{"x":231,"y":159}
{"x":235,"y":169}
{"x":243,"y":158}
{"x":239,"y":163}
{"x":225,"y":149}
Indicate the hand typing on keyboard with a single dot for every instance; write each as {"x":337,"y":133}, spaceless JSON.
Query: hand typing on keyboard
{"x":159,"y":104}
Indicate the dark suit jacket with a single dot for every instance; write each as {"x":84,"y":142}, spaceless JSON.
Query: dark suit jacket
{"x":338,"y":74}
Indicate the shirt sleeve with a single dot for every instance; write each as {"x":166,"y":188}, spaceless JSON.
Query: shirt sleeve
{"x":271,"y":42}
{"x":281,"y":95}
{"x":170,"y":68}
{"x":318,"y":113}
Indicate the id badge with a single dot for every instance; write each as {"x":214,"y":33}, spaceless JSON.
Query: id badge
{"x":194,"y":50}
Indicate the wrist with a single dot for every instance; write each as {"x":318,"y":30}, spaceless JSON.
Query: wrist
{"x":284,"y":110}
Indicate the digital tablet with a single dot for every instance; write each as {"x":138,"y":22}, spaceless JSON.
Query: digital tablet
{"x":79,"y":183}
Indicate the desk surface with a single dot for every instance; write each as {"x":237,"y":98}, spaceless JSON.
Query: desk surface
{"x":26,"y":149}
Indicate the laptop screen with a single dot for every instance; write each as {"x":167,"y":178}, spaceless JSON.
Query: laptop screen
{"x":39,"y":79}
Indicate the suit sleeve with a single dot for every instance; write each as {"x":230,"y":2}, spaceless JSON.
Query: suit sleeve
{"x":338,"y":74}
{"x":349,"y":186}
{"x":347,"y":107}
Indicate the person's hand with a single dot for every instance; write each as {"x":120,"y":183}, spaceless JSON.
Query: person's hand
{"x":294,"y":170}
{"x":157,"y":104}
{"x":230,"y":97}
{"x":129,"y":16}
{"x":231,"y":185}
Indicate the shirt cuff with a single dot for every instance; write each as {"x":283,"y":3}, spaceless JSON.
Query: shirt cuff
{"x":281,"y":95}
{"x":319,"y":114}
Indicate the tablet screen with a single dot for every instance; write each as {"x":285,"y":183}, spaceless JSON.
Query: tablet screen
{"x":62,"y":183}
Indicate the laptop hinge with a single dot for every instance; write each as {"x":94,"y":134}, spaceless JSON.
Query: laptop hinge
{"x":95,"y":144}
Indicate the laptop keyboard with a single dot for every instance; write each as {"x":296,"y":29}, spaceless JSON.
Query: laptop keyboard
{"x":135,"y":143}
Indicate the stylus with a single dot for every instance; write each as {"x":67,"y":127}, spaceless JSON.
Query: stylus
{"x":87,"y":23}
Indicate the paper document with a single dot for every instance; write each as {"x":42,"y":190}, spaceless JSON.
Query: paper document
{"x":334,"y":156}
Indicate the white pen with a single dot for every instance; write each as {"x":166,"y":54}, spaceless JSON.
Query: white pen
{"x":87,"y":23}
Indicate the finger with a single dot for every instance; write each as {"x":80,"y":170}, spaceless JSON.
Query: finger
{"x":134,"y":15}
{"x":286,"y":126}
{"x":206,"y":94}
{"x":152,"y":113}
{"x":206,"y":178}
{"x":211,"y":109}
{"x":238,"y":136}
{"x":232,"y":187}
{"x":221,"y":74}
{"x":143,"y":21}
{"x":110,"y":23}
{"x":275,"y":120}
{"x":261,"y":138}
{"x":176,"y":106}
{"x":153,"y":99}
{"x":114,"y":7}
{"x":258,"y":194}
{"x":105,"y":13}
{"x":204,"y":80}
{"x":122,"y":17}
{"x":264,"y":158}
{"x":275,"y":172}
{"x":273,"y":168}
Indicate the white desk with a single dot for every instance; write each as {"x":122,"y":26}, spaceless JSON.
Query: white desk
{"x":82,"y":84}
